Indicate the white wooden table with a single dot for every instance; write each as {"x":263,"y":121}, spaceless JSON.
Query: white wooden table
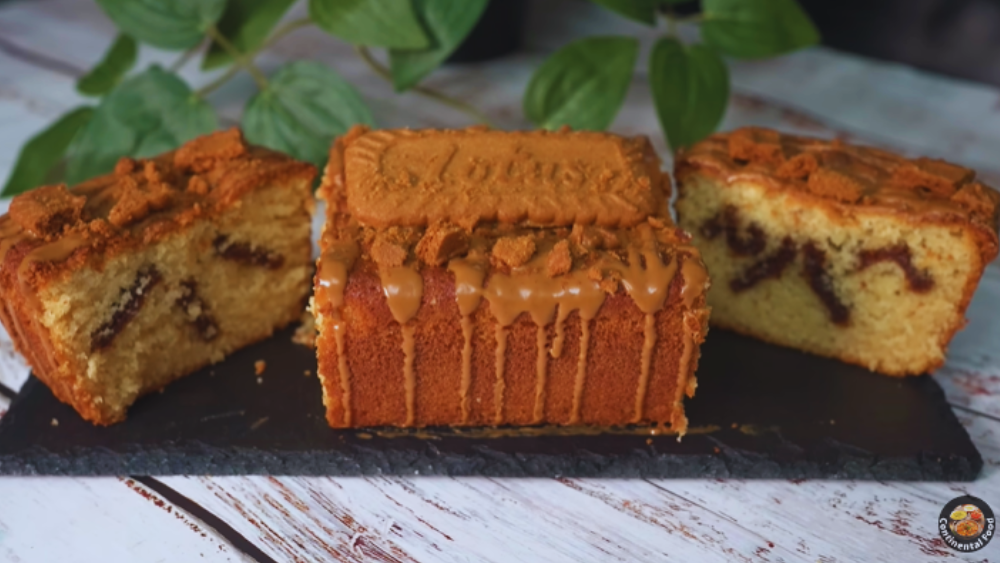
{"x":45,"y":45}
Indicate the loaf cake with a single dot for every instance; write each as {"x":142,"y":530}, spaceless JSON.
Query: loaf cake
{"x":121,"y":284}
{"x":481,"y":278}
{"x":843,"y":251}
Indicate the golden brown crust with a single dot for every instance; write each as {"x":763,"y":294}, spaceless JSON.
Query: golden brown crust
{"x":140,"y":202}
{"x":850,"y":179}
{"x":414,"y":178}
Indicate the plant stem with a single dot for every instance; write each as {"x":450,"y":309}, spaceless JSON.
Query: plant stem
{"x":281,"y":32}
{"x":215,"y":84}
{"x":187,"y":56}
{"x":242,"y":60}
{"x":439,"y":97}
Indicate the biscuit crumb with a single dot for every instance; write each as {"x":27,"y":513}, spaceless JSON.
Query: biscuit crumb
{"x":387,"y":254}
{"x":124,"y":166}
{"x":649,"y":441}
{"x":514,"y":252}
{"x":259,"y":366}
{"x":799,"y":167}
{"x":260,"y":381}
{"x":940,"y":177}
{"x":716,"y":449}
{"x":977,"y":199}
{"x":560,"y":260}
{"x":442,"y":242}
{"x":307,"y":373}
{"x":756,"y":145}
{"x":836,"y":185}
{"x":201,"y":154}
{"x":55,"y":422}
{"x":46,"y":210}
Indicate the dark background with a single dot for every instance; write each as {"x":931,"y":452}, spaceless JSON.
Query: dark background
{"x":954,"y":37}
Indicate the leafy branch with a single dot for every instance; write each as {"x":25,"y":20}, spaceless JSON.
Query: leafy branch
{"x":299,"y":109}
{"x":583,"y":85}
{"x":304,"y":105}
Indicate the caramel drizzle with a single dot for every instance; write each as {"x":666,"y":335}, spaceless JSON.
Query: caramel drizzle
{"x":335,"y":264}
{"x":469,"y":275}
{"x":648,"y":288}
{"x":403,"y":287}
{"x":528,"y":289}
{"x":648,"y":343}
{"x":541,"y":369}
{"x":581,"y":372}
{"x":500,"y":385}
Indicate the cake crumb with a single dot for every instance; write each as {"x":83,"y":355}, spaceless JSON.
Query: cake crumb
{"x":307,"y":373}
{"x":649,"y":441}
{"x":259,"y":366}
{"x":260,"y":381}
{"x":514,"y":252}
{"x":832,"y":422}
{"x":734,"y":425}
{"x":305,"y":334}
{"x":716,"y":449}
{"x":55,"y":422}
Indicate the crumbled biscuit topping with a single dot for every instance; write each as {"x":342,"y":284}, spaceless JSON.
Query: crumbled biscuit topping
{"x":45,"y":211}
{"x":146,"y":199}
{"x":845,"y":174}
{"x":514,"y":251}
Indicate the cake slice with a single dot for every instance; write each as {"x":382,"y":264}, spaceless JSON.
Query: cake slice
{"x":119,"y":285}
{"x":481,"y":278}
{"x":842,"y":251}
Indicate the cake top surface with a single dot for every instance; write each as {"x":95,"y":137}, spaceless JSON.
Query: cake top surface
{"x":142,"y":200}
{"x":416,"y":177}
{"x":845,"y":174}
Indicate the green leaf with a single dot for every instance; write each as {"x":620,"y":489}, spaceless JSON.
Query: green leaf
{"x":246,"y":23}
{"x":690,"y":90}
{"x":377,"y":23}
{"x":583,"y":84}
{"x":754,"y":29}
{"x":448,"y":22}
{"x":119,"y":59}
{"x":147,"y":114}
{"x":643,"y":11}
{"x":168,"y":24}
{"x":305,"y":106}
{"x":43,"y":152}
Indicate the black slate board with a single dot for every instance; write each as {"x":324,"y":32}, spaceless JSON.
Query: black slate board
{"x":780,"y":413}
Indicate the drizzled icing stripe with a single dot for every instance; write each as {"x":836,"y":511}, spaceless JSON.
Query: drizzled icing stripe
{"x":334,"y":267}
{"x":403,"y":287}
{"x":469,"y":274}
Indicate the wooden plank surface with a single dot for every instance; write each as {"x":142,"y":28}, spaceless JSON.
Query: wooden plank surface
{"x":45,"y":44}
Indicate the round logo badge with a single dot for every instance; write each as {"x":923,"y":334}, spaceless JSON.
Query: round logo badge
{"x":967,"y":524}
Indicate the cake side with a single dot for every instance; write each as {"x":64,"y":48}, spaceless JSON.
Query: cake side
{"x":879,"y":277}
{"x":105,"y":313}
{"x":544,"y":377}
{"x":504,"y":323}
